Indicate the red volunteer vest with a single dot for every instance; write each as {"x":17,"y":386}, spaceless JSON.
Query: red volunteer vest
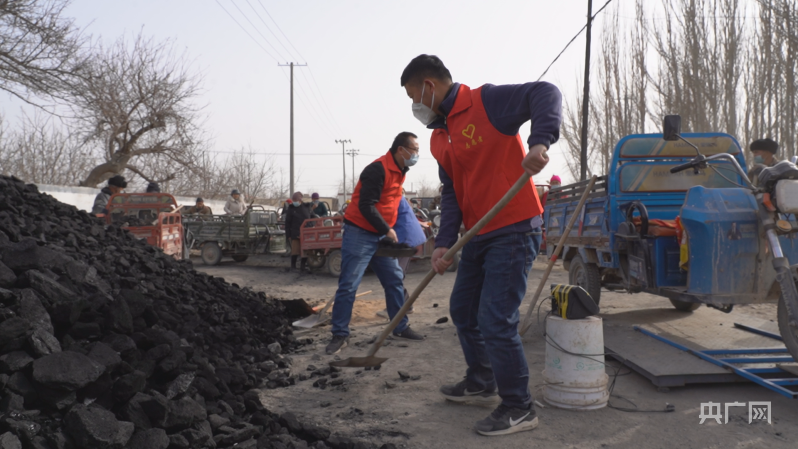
{"x":388,"y":207}
{"x":483,"y":163}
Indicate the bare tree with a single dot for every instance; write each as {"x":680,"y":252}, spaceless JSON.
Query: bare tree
{"x":771,"y":85}
{"x":618,"y":103}
{"x":426,"y":188}
{"x":39,"y":48}
{"x":41,"y":151}
{"x":134,"y":102}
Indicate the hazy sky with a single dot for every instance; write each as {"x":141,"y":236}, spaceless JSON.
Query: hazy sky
{"x":356,"y":51}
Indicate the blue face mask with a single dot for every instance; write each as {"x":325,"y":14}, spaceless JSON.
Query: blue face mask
{"x":413,"y":158}
{"x":296,"y":204}
{"x":759,"y":160}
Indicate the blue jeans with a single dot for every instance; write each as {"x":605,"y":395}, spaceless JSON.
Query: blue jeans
{"x":490,"y":285}
{"x":357,"y":250}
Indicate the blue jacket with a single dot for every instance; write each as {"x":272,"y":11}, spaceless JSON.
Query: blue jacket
{"x":508,"y":107}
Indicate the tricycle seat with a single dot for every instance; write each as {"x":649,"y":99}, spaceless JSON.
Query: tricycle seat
{"x":658,"y":228}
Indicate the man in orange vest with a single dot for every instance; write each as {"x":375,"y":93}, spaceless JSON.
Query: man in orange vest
{"x":370,"y":218}
{"x":480,"y":155}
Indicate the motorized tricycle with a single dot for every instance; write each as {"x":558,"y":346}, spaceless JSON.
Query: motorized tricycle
{"x":677,"y":217}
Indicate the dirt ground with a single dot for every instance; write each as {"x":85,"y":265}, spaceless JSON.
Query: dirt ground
{"x":379,"y":407}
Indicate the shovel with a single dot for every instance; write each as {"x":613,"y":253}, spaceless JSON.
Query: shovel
{"x":370,"y":359}
{"x":319,"y":318}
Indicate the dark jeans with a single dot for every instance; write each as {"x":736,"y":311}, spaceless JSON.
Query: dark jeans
{"x":357,"y":250}
{"x":490,"y":285}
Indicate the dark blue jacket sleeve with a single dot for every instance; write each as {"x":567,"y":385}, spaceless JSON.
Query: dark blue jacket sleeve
{"x":511,"y":105}
{"x":451,"y":215}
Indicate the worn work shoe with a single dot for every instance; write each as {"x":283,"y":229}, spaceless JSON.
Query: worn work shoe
{"x":384,"y":313}
{"x":460,"y":392}
{"x":506,"y":420}
{"x":409,"y":334}
{"x":337,"y":343}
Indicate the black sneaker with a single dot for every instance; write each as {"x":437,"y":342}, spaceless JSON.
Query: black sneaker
{"x":409,"y":334}
{"x":337,"y":343}
{"x":460,"y":392}
{"x":506,"y":420}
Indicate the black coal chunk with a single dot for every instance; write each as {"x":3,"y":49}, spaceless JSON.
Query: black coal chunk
{"x":66,"y":370}
{"x":93,"y":427}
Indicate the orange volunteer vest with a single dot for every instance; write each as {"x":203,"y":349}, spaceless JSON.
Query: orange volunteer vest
{"x":388,"y":207}
{"x":483,"y":164}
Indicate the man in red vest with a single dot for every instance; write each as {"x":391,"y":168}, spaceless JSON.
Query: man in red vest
{"x":368,"y":219}
{"x":480,"y":155}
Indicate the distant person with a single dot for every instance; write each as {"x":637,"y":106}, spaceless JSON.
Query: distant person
{"x":319,"y":208}
{"x":116,"y":184}
{"x":235,"y":205}
{"x":297,"y":213}
{"x":555,"y":181}
{"x":371,"y":218}
{"x":199,"y":208}
{"x":764,"y":151}
{"x":283,"y":214}
{"x":153,"y":187}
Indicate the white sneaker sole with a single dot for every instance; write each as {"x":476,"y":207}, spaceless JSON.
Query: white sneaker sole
{"x":521,"y":427}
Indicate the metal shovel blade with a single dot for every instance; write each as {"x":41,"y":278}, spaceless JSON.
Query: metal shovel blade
{"x":359,"y":362}
{"x":322,"y":317}
{"x":311,"y":321}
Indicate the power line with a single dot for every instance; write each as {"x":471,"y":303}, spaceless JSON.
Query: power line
{"x":257,"y":30}
{"x":324,"y":113}
{"x":326,"y":109}
{"x":281,"y":31}
{"x":269,"y":28}
{"x":572,"y":40}
{"x":285,"y":154}
{"x":245,"y":30}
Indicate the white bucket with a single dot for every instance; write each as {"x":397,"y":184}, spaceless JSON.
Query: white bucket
{"x":574,"y":382}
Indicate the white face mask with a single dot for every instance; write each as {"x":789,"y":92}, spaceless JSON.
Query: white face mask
{"x":422,"y":112}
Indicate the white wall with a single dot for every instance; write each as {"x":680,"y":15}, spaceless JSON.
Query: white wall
{"x":83,"y":198}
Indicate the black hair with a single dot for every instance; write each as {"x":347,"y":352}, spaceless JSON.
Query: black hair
{"x":765,"y":145}
{"x":401,"y":140}
{"x":425,"y":66}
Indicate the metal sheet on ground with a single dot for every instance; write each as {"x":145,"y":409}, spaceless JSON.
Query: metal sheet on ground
{"x":703,"y":329}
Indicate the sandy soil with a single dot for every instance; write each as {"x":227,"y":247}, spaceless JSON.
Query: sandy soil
{"x":378,"y":406}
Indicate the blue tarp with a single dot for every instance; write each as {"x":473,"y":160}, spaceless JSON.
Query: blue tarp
{"x":407,"y":227}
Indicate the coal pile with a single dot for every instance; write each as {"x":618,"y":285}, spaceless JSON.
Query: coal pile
{"x":105,"y":342}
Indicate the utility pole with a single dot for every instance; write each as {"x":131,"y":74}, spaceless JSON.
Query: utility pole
{"x":292,"y":64}
{"x":343,"y":143}
{"x":353,"y":153}
{"x":586,"y":99}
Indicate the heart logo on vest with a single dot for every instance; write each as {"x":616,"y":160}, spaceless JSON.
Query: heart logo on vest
{"x":469,"y":131}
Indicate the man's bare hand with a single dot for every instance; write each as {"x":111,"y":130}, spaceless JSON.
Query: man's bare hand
{"x":438,"y":264}
{"x":536,"y":160}
{"x":392,"y":235}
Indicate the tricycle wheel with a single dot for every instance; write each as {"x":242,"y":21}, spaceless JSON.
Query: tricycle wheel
{"x":334,"y":262}
{"x":211,"y":253}
{"x":240,"y":257}
{"x":684,"y":306}
{"x":316,"y":261}
{"x":788,"y":334}
{"x":585,"y":275}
